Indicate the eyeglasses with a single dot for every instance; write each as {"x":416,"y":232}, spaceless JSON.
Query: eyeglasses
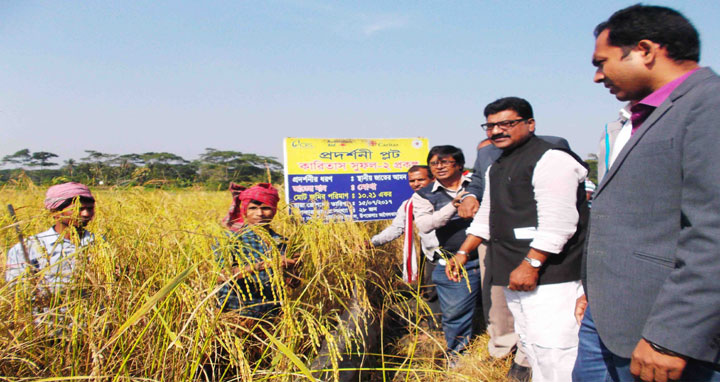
{"x":442,"y":162}
{"x":503,"y":125}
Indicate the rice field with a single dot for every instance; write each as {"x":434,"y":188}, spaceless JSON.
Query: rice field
{"x":142,"y":307}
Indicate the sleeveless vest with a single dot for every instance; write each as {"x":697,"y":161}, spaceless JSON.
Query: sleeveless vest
{"x":452,"y":235}
{"x":513,"y":207}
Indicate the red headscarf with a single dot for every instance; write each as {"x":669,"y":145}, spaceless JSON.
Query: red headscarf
{"x":262,"y":192}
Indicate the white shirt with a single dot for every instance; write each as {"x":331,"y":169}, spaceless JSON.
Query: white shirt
{"x":623,"y":136}
{"x":49,"y":254}
{"x":428,"y":241}
{"x":426,"y":218}
{"x":555,"y":181}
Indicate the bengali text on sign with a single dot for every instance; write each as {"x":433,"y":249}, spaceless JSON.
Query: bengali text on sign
{"x":362,"y":178}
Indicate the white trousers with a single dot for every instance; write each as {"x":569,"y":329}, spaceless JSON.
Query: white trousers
{"x":500,"y":322}
{"x":546,"y":326}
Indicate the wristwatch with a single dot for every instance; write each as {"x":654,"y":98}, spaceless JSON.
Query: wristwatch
{"x":535,"y":263}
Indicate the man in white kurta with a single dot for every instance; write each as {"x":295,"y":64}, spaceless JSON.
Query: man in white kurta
{"x":533,"y":215}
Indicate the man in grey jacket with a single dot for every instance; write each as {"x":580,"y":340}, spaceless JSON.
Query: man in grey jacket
{"x":653,"y":250}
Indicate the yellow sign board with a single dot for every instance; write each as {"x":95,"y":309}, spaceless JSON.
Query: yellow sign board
{"x":353,"y":156}
{"x":367,"y":177}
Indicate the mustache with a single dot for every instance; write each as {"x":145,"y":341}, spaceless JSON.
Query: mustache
{"x":497,"y":136}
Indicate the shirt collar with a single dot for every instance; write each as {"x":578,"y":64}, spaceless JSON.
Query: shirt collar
{"x":659,"y":96}
{"x":49,"y":233}
{"x":254,"y":229}
{"x":464,"y":180}
{"x":625,"y":112}
{"x":51,"y":236}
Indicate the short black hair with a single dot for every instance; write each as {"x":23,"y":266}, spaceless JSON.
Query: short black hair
{"x":447,"y":151}
{"x":69,"y":201}
{"x":419,"y":167}
{"x":519,"y":105}
{"x":661,"y":25}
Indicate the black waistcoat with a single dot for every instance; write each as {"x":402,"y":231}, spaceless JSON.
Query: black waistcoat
{"x":452,"y":235}
{"x":513,"y":206}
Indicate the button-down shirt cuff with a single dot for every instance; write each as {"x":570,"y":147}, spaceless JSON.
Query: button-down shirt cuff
{"x":479,"y":230}
{"x":549,"y":243}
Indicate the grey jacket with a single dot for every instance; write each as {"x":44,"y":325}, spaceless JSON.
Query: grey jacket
{"x":653,"y":249}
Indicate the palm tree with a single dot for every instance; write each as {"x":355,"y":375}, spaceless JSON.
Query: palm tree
{"x":70,"y":166}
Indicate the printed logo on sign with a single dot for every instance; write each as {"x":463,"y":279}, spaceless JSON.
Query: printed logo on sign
{"x":417,"y":143}
{"x":301,"y":144}
{"x":336,"y":142}
{"x":387,"y":144}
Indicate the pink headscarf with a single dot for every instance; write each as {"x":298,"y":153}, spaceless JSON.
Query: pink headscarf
{"x":262,"y":192}
{"x":59,"y":193}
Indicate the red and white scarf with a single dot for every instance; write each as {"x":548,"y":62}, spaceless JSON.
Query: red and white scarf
{"x":410,"y":265}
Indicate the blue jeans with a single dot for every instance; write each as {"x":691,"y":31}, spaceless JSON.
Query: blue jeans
{"x":457,"y":304}
{"x":595,"y":363}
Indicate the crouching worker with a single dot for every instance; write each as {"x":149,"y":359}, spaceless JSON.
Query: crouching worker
{"x":250,"y":285}
{"x":51,"y":255}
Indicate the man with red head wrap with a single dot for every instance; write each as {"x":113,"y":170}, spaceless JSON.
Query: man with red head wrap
{"x":73,"y":207}
{"x":248,"y":285}
{"x":242,"y":196}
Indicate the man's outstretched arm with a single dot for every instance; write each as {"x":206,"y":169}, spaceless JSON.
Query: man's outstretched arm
{"x":394,"y":230}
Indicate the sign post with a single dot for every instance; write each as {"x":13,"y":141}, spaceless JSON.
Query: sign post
{"x":362,"y":178}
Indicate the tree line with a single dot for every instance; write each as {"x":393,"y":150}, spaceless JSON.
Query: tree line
{"x":213,"y":169}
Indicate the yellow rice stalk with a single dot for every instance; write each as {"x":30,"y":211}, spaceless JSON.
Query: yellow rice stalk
{"x":142,"y":303}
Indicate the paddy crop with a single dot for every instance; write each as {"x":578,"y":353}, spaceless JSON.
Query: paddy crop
{"x":142,"y":306}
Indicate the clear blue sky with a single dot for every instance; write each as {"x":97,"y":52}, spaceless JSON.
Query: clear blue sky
{"x":131,"y":77}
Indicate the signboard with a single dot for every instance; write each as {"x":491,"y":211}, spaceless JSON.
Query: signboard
{"x":362,"y":178}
